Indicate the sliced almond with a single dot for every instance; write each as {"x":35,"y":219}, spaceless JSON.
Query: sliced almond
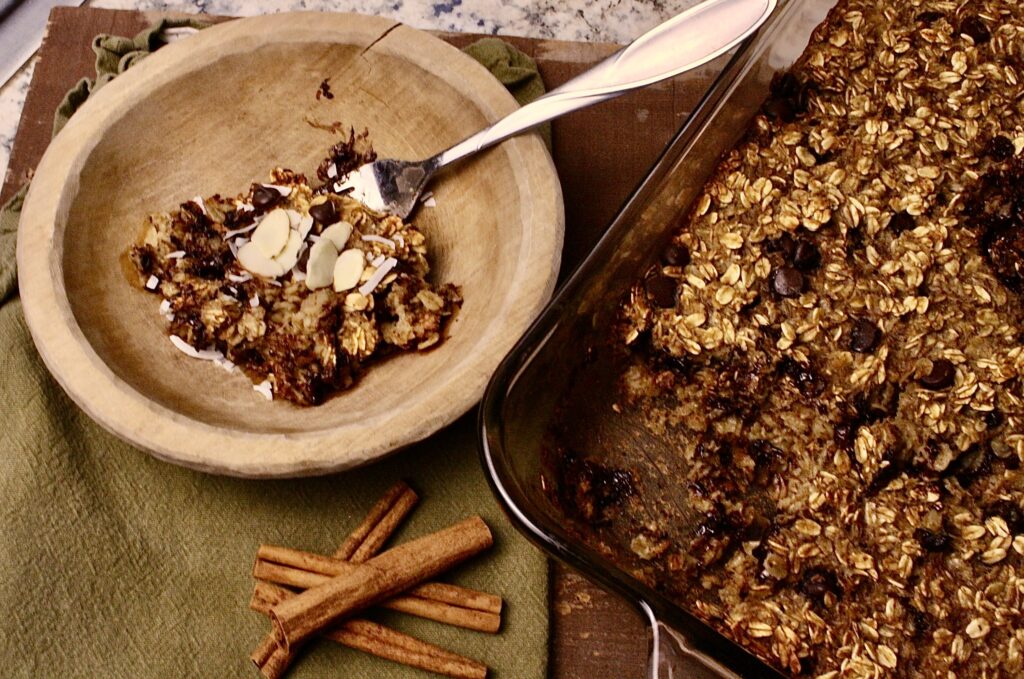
{"x":290,"y":255}
{"x":252,"y":258}
{"x":338,"y":233}
{"x":272,"y":234}
{"x":348,"y":269}
{"x":320,"y":267}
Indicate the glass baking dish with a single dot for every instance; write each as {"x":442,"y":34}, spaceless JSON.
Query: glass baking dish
{"x":519,"y":405}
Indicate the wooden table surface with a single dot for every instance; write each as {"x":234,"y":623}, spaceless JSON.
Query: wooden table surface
{"x":601,"y":154}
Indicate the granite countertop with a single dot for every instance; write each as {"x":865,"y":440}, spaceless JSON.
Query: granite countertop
{"x":583,"y":20}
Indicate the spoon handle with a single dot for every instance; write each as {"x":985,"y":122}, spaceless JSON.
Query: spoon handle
{"x":684,"y":42}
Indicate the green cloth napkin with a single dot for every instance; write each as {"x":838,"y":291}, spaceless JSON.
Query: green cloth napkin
{"x":114,"y":564}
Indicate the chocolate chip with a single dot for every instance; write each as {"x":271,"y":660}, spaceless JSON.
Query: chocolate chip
{"x":865,"y":336}
{"x":1000,"y":148}
{"x":929,"y":17}
{"x":975,"y":29}
{"x":1009,"y":512}
{"x":942,"y":376}
{"x":807,"y":256}
{"x":676,"y":255}
{"x":806,"y":380}
{"x":210,"y":267}
{"x":785,"y":245}
{"x":993,"y":419}
{"x":845,"y":434}
{"x":1002,"y":245}
{"x":933,"y":541}
{"x":263,"y":198}
{"x":788,"y":282}
{"x":661,"y":290}
{"x":715,"y":522}
{"x":816,"y":582}
{"x":901,"y":221}
{"x":325,"y":213}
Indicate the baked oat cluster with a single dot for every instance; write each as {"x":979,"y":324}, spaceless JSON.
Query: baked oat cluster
{"x":836,"y":338}
{"x":301,"y":289}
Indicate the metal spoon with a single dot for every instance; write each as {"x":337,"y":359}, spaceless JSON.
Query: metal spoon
{"x":684,"y":42}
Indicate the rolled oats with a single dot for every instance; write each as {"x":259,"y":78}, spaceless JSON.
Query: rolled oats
{"x":874,"y":477}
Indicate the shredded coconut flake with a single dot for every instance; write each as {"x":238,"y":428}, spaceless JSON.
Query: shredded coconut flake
{"x":246,"y":207}
{"x":254,"y":301}
{"x":332,"y":171}
{"x":378,"y":275}
{"x":152,"y":282}
{"x":198,"y":200}
{"x":235,"y":278}
{"x":189,"y":350}
{"x":430,"y":202}
{"x":165,"y":306}
{"x":177,"y":254}
{"x":380,"y":239}
{"x":184,"y":347}
{"x":265,"y":389}
{"x":283,"y":190}
{"x":378,"y":260}
{"x":399,"y":240}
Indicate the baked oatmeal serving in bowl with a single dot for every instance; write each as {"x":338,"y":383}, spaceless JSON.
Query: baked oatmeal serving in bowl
{"x":199,"y":284}
{"x":796,"y":429}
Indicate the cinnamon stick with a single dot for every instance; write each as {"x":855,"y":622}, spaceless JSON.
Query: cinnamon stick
{"x":378,"y":640}
{"x":379,"y":578}
{"x":417,"y":601}
{"x":402,"y":648}
{"x":368,"y":537}
{"x":399,"y":495}
{"x":385,"y":527}
{"x":302,"y":564}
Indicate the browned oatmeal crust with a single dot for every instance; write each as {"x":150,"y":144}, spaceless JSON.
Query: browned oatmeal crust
{"x":835,"y":338}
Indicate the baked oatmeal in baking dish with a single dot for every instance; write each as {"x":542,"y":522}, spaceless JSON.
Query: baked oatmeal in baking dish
{"x":834,"y":338}
{"x":301,"y":289}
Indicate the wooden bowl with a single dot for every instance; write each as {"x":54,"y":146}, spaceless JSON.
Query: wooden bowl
{"x":211,"y":114}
